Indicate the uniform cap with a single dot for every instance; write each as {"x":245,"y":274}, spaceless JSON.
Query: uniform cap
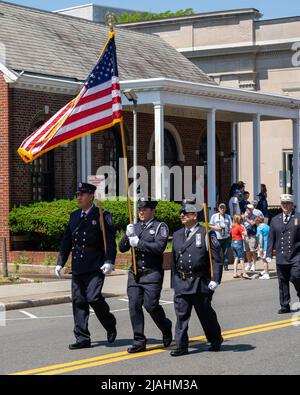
{"x":86,"y":188}
{"x":189,"y":206}
{"x":287,"y":198}
{"x":147,"y":202}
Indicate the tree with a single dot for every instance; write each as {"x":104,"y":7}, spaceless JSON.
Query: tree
{"x":150,"y":16}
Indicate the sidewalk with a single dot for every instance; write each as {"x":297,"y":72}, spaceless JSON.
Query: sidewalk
{"x":23,"y":296}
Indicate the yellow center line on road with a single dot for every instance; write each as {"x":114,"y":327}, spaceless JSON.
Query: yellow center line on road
{"x":153,"y":350}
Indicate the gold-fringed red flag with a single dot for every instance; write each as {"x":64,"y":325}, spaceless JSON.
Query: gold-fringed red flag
{"x":97,"y":107}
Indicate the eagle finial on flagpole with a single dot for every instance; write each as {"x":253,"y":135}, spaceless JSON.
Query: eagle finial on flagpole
{"x":110,"y":20}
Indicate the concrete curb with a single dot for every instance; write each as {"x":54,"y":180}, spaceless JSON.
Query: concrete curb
{"x":26,"y":304}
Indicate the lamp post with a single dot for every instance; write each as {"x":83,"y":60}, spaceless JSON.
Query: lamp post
{"x":133,"y":98}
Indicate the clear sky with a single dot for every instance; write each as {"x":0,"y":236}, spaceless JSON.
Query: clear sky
{"x":270,"y":8}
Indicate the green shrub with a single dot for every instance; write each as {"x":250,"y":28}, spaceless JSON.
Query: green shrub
{"x":22,"y":259}
{"x":49,"y":261}
{"x":45,"y":222}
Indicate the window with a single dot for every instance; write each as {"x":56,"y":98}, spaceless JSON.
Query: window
{"x":112,"y":148}
{"x":286,"y":177}
{"x":43,"y":178}
{"x":43,"y":175}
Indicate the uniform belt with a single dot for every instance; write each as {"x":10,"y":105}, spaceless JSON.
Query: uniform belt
{"x":185,"y":275}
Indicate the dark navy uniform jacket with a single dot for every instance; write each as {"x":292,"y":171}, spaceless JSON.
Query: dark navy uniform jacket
{"x":84,"y":238}
{"x":285,"y":239}
{"x":191,"y":256}
{"x":150,"y":250}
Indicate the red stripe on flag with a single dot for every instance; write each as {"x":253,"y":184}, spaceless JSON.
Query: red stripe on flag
{"x":79,"y":131}
{"x":45,"y":132}
{"x":91,"y":111}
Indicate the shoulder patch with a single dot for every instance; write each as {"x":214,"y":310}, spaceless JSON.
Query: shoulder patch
{"x":108,"y":218}
{"x":164,"y":231}
{"x":215,"y":241}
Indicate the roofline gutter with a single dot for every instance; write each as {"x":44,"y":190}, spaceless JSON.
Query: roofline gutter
{"x":64,"y":85}
{"x":9,"y":75}
{"x":212,"y":91}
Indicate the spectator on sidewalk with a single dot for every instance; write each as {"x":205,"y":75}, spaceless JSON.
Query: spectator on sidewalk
{"x":244,"y":202}
{"x":264,"y":191}
{"x":263,"y":206}
{"x":250,"y":240}
{"x":256,"y":211}
{"x":221,"y":223}
{"x":240,"y":186}
{"x":238,"y":232}
{"x":262,"y":235}
{"x":234,"y":206}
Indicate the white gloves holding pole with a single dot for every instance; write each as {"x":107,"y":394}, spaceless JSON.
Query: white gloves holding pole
{"x":213,"y":285}
{"x":133,"y":238}
{"x":107,"y":268}
{"x":130,"y":230}
{"x":58,"y":270}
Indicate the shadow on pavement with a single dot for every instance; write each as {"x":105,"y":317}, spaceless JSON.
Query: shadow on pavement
{"x":225,"y":348}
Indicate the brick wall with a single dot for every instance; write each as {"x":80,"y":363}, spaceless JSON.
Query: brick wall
{"x":28,"y":110}
{"x":5,"y":160}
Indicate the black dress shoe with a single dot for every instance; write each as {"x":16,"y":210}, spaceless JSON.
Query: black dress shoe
{"x":111,"y":336}
{"x":80,"y":345}
{"x":179,"y":352}
{"x":136,"y":349}
{"x":167,"y":339}
{"x":216,"y":347}
{"x":284,"y":310}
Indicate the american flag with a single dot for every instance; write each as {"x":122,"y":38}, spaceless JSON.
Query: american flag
{"x":97,"y":107}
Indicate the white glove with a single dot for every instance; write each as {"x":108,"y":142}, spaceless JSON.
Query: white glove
{"x":269,"y":260}
{"x":134,"y":241}
{"x":213,"y":285}
{"x":58,"y":269}
{"x":130,"y":230}
{"x":107,"y":268}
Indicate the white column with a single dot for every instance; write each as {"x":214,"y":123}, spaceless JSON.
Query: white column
{"x":211,"y":161}
{"x":234,"y":149}
{"x":256,"y":155}
{"x":83,"y":159}
{"x":78,"y":160}
{"x":296,"y":162}
{"x":159,"y":150}
{"x":88,"y":155}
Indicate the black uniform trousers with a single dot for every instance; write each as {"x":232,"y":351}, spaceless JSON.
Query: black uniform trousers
{"x":287,"y":274}
{"x":86,"y":292}
{"x":147,"y":295}
{"x":208,"y":318}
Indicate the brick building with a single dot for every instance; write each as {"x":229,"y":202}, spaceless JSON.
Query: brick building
{"x":184,"y":117}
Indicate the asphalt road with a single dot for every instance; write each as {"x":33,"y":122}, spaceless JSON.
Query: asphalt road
{"x":35,"y":341}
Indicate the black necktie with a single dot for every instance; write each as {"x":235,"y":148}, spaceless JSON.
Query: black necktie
{"x":144,"y":226}
{"x":83,"y":215}
{"x":286,"y":219}
{"x":187,"y":233}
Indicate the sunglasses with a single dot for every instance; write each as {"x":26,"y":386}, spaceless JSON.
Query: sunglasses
{"x":186,"y":213}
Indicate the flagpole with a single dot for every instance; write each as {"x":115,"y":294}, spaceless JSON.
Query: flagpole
{"x":127,"y":190}
{"x":102,"y":223}
{"x":110,"y":18}
{"x":208,"y":240}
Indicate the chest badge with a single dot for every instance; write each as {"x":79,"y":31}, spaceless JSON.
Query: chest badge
{"x":152,"y":232}
{"x":198,"y":240}
{"x":94,"y":223}
{"x":296,"y":221}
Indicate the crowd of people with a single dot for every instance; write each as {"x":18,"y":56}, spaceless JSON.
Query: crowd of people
{"x":243,"y":226}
